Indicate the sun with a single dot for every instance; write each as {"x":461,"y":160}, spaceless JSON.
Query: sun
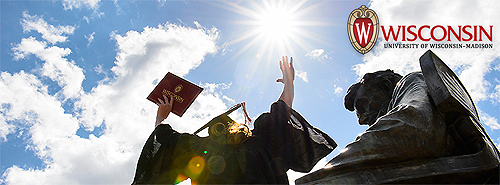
{"x":276,"y":23}
{"x":275,"y":26}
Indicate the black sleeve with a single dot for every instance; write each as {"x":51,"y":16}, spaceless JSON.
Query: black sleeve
{"x":299,"y":145}
{"x":156,"y":156}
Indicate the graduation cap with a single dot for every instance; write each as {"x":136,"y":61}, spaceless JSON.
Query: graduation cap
{"x":219,"y":124}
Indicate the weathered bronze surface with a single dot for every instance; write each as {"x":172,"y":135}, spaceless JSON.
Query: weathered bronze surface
{"x":424,"y":129}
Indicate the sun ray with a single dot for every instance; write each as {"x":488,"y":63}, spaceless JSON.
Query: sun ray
{"x":310,"y":23}
{"x":307,"y":10}
{"x":300,"y":42}
{"x":248,"y":45}
{"x":309,"y":35}
{"x":296,"y":7}
{"x":244,"y":36}
{"x":289,"y":47}
{"x":233,"y":7}
{"x":275,"y":26}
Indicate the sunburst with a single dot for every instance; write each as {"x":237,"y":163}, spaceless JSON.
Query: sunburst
{"x":275,"y":25}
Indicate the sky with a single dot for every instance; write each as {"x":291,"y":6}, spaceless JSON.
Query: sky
{"x":74,"y":75}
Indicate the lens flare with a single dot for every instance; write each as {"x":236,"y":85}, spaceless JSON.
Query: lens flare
{"x":216,"y":165}
{"x":195,"y":167}
{"x":180,"y":178}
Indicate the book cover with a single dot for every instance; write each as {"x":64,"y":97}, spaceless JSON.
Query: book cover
{"x":183,"y":92}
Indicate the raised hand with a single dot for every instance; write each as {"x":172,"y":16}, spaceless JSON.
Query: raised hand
{"x":287,"y":70}
{"x":288,"y":76}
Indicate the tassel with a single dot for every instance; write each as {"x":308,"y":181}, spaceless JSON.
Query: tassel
{"x":247,"y":118}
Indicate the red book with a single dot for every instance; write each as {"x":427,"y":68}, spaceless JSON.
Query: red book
{"x":183,"y":91}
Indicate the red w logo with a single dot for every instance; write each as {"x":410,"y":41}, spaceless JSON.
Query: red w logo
{"x":363,"y":27}
{"x":363,"y":31}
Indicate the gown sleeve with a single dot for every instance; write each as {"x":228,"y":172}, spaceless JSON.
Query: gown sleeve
{"x":160,"y":161}
{"x":296,"y":143}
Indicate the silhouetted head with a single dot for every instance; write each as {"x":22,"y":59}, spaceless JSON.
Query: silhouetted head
{"x":225,"y":130}
{"x":232,"y":133}
{"x":370,"y":97}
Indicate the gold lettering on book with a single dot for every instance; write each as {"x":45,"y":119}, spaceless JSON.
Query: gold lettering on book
{"x":177,"y":98}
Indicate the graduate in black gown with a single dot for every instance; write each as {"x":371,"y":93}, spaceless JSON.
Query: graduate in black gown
{"x":281,"y":140}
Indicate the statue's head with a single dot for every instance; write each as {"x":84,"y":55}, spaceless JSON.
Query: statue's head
{"x":370,"y":97}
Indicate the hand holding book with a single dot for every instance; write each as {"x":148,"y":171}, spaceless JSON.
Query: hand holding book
{"x":180,"y":90}
{"x":164,"y":109}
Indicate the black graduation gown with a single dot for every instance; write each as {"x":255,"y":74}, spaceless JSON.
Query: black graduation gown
{"x":281,"y":140}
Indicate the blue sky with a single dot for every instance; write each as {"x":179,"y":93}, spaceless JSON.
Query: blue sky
{"x":75,"y":74}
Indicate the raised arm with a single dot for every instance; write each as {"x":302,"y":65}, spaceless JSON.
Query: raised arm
{"x":164,"y":108}
{"x":288,"y":76}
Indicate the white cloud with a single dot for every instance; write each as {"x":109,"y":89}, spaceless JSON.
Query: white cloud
{"x":99,"y":69}
{"x":27,"y":47}
{"x":161,"y":2}
{"x":317,"y":54}
{"x":51,"y":33}
{"x":5,"y":128}
{"x":41,"y":112}
{"x":495,"y":96}
{"x":70,"y":4}
{"x":488,"y":120}
{"x":67,"y":75}
{"x":302,"y":75}
{"x":497,"y":143}
{"x":89,"y":38}
{"x":119,"y":103}
{"x":338,"y":90}
{"x":86,"y":19}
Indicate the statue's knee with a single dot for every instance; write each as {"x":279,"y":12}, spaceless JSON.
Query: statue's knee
{"x":466,"y":137}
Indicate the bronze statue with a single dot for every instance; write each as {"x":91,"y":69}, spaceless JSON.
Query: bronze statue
{"x":423,"y":128}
